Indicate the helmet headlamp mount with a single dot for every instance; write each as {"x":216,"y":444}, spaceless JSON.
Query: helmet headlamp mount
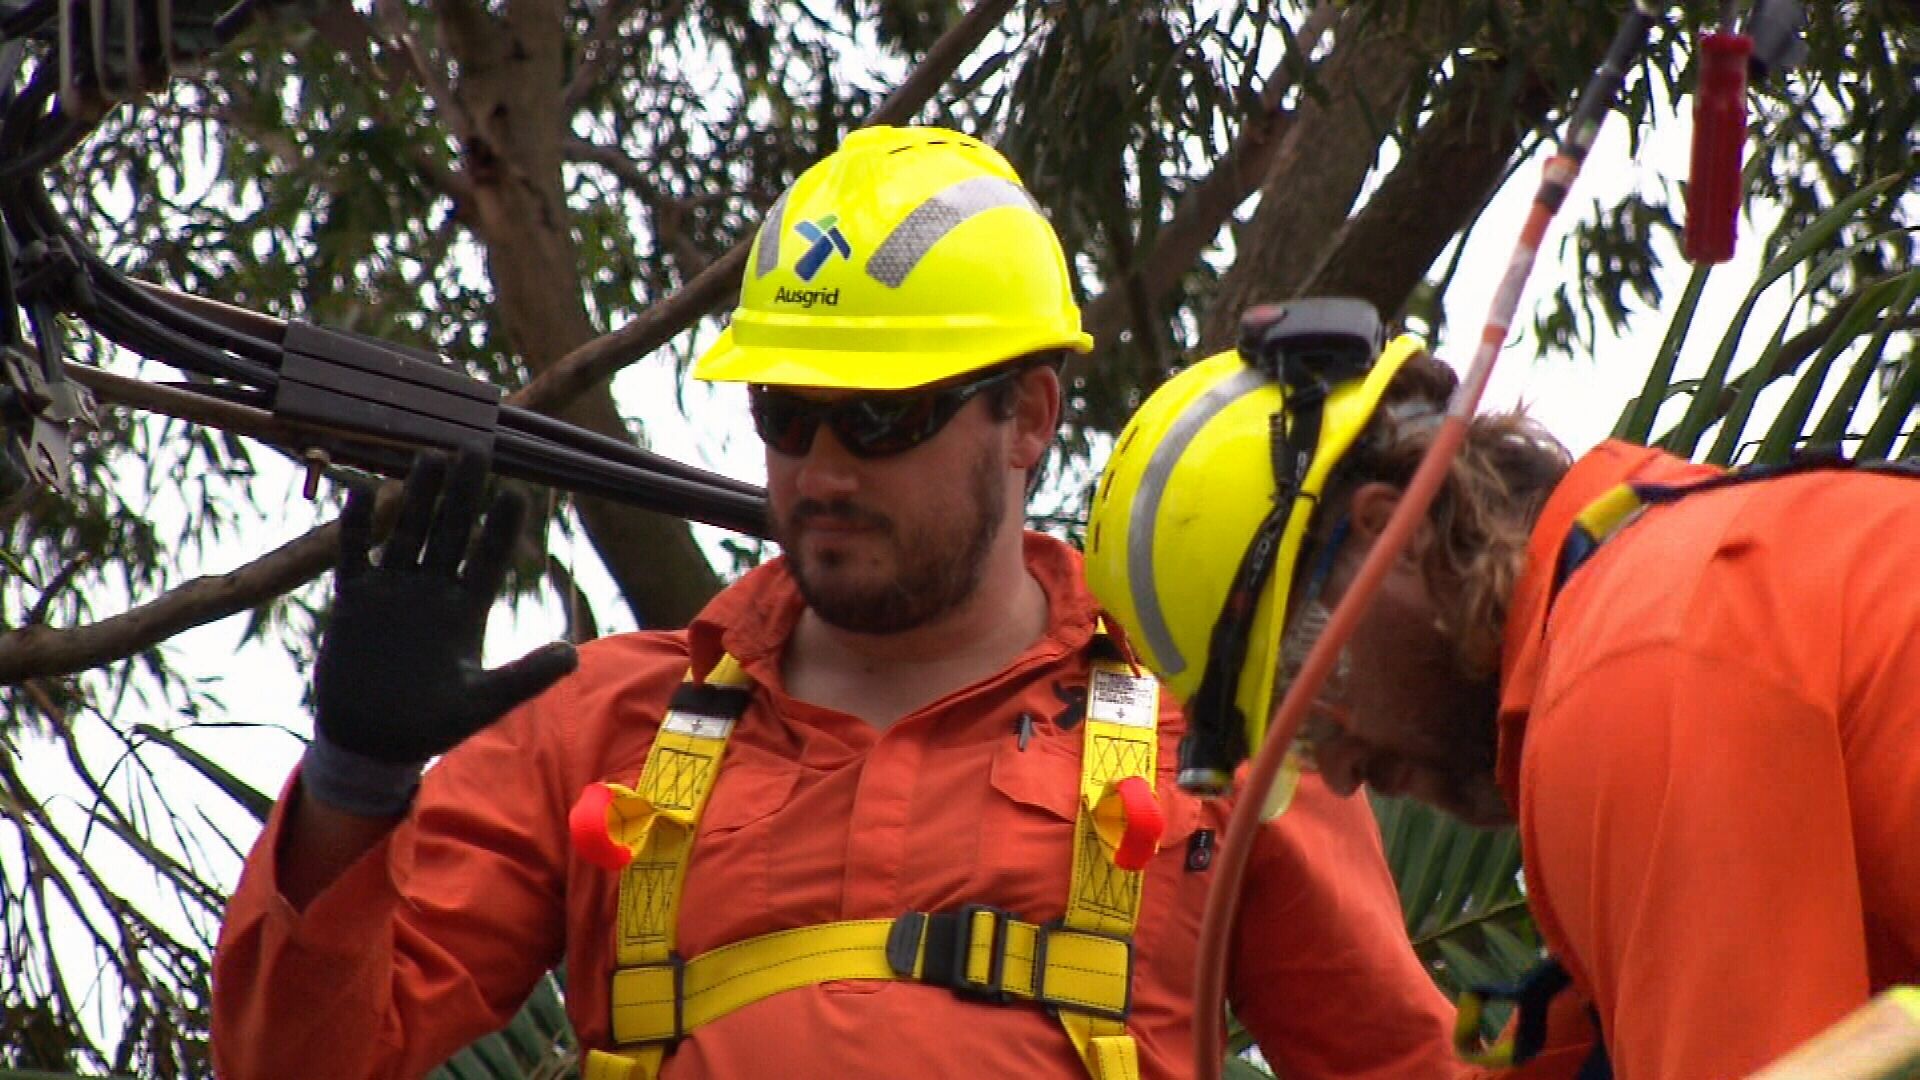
{"x":1319,"y":340}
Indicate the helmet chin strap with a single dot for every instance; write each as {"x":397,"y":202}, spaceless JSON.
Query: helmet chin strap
{"x":1216,"y":741}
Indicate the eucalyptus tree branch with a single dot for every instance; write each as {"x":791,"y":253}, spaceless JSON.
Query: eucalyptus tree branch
{"x":1206,"y":206}
{"x":353,"y":37}
{"x":37,"y":651}
{"x":602,"y":45}
{"x":582,"y":626}
{"x":668,"y":211}
{"x":1381,"y":55}
{"x":1451,"y":166}
{"x":598,"y":359}
{"x":426,"y":67}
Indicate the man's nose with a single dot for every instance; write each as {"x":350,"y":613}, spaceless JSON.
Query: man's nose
{"x":828,"y":470}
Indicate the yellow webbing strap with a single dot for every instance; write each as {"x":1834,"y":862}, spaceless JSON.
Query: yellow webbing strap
{"x":1082,"y":968}
{"x":1086,"y":971}
{"x":659,"y":819}
{"x":1123,"y":711}
{"x":1605,"y":515}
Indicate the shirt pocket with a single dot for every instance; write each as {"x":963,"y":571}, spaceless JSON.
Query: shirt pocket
{"x":1025,"y":828}
{"x":727,"y":893}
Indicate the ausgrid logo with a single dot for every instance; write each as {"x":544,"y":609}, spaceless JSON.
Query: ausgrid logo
{"x":806,"y":298}
{"x":824,"y":236}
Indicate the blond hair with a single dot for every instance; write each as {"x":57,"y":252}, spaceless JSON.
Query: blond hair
{"x":1483,"y":513}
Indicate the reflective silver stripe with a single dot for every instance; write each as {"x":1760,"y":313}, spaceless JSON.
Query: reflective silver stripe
{"x":1146,"y":512}
{"x":903,"y":248}
{"x":768,"y":256}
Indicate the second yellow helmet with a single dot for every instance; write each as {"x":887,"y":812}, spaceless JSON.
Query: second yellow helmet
{"x":1189,"y":484}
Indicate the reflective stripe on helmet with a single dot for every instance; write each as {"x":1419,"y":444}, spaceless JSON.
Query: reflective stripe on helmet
{"x":944,"y":211}
{"x":1144,"y":514}
{"x":767,"y":257}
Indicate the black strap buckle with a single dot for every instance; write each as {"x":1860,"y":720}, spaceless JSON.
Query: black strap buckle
{"x":948,"y":941}
{"x":1050,"y":930}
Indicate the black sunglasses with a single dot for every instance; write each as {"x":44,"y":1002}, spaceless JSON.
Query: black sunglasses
{"x":870,"y":425}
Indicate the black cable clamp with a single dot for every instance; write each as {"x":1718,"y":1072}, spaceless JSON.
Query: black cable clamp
{"x":336,"y":379}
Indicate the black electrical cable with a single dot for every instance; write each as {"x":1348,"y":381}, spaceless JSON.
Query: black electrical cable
{"x":18,"y":121}
{"x":108,"y":281}
{"x":623,"y":484}
{"x":585,"y":440}
{"x":110,"y":285}
{"x":579,"y":469}
{"x":30,"y":140}
{"x":67,"y":132}
{"x":10,"y":329}
{"x":156,"y":342}
{"x":519,"y":454}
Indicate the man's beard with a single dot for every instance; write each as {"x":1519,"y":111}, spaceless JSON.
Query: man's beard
{"x":939,"y":567}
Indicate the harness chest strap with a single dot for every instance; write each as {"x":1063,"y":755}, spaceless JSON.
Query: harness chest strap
{"x":1081,"y":966}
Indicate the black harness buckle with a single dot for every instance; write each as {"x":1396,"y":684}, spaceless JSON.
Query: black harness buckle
{"x":942,"y":943}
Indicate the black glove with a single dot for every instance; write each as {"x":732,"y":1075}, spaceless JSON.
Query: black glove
{"x":398,"y":680}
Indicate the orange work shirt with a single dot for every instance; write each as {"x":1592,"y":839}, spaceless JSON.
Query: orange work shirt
{"x":1713,"y":742}
{"x":437,"y":934}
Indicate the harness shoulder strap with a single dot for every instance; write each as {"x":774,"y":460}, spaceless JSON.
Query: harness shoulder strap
{"x":657,"y":821}
{"x":1121,"y":746}
{"x":1620,"y":506}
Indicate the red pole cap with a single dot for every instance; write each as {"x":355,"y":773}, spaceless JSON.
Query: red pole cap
{"x":1719,"y":142}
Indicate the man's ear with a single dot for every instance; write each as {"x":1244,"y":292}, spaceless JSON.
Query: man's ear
{"x":1370,"y":509}
{"x":1036,"y":416}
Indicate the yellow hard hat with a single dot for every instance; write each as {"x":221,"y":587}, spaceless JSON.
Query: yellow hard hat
{"x":1177,"y":509}
{"x":907,"y":257}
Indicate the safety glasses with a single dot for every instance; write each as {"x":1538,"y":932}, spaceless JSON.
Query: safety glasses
{"x":869,"y":425}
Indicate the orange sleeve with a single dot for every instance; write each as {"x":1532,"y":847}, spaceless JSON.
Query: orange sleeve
{"x":1687,"y":828}
{"x":1323,"y":974}
{"x":433,"y":938}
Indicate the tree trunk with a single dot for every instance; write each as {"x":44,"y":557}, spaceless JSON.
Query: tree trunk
{"x":1323,"y":160}
{"x":1446,"y":174}
{"x":510,"y":96}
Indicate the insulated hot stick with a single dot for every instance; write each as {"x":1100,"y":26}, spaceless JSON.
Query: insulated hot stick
{"x":1223,"y":896}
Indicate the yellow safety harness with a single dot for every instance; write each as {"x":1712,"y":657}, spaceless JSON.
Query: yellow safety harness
{"x":1080,"y":967}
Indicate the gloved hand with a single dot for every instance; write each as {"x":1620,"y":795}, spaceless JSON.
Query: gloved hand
{"x":398,"y":679}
